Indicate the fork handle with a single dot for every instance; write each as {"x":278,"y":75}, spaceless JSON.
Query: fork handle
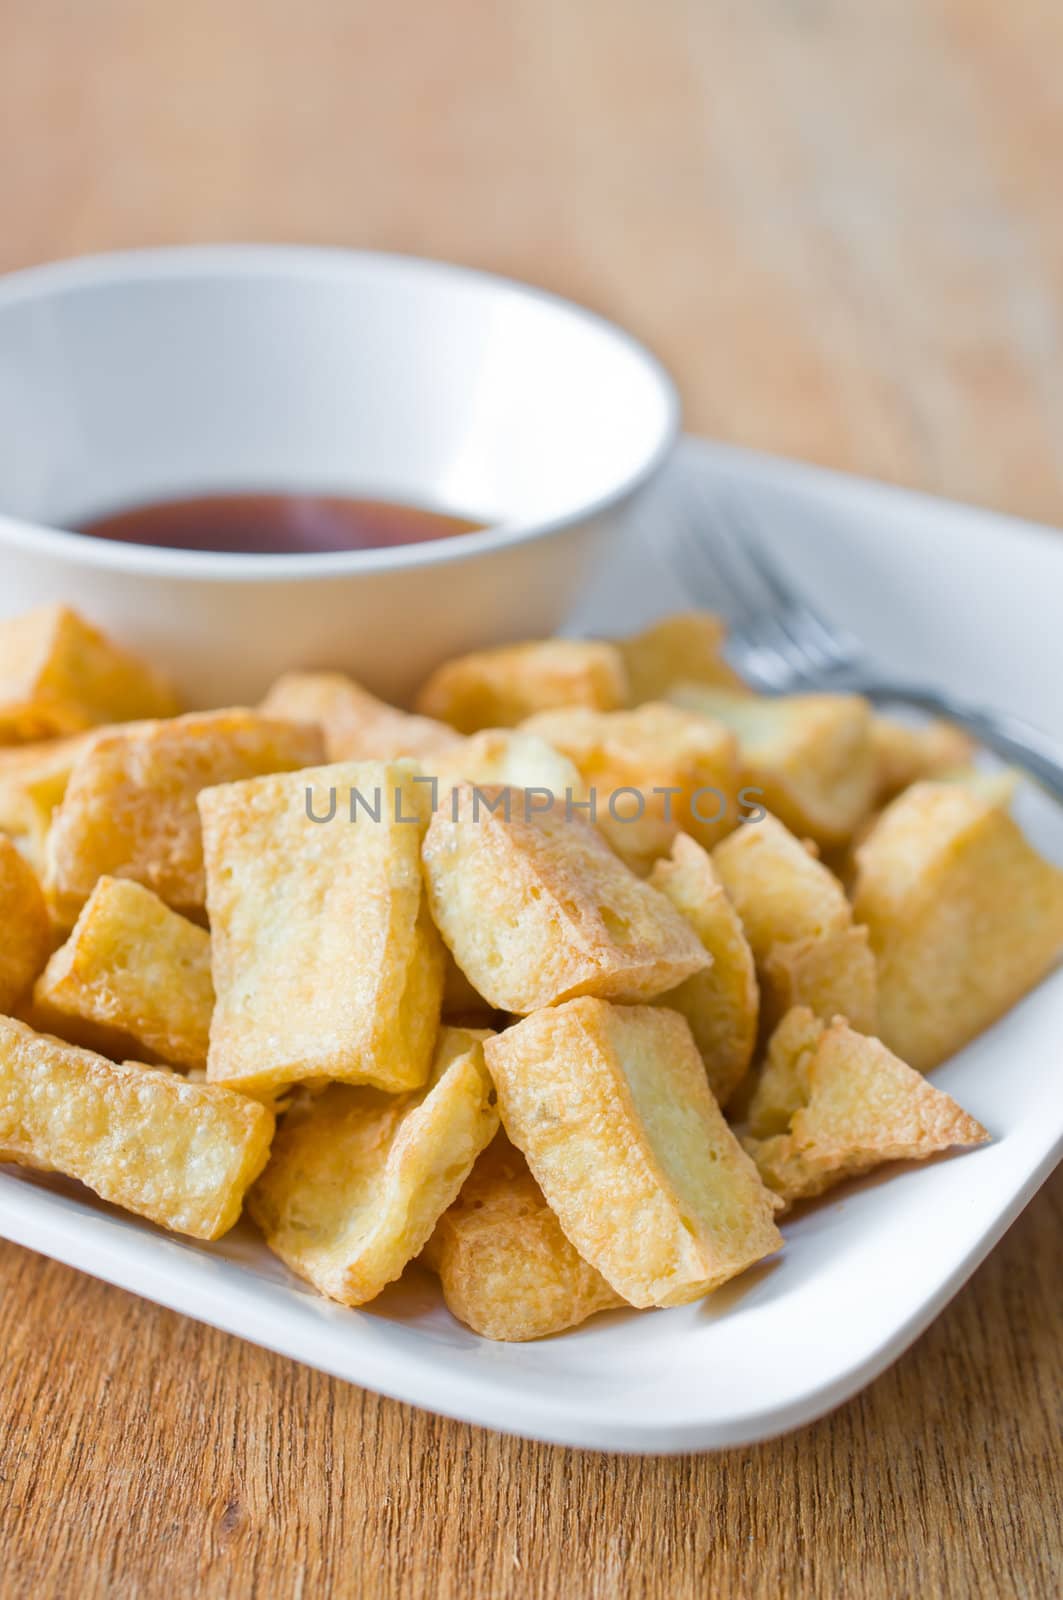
{"x":1007,"y":736}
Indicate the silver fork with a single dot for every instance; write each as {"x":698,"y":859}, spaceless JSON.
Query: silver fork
{"x":781,"y":644}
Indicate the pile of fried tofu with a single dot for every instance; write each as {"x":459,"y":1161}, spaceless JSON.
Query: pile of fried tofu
{"x":565,"y":982}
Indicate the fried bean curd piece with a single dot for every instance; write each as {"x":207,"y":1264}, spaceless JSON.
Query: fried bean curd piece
{"x":325,"y":960}
{"x":779,"y":888}
{"x":181,"y":1154}
{"x":832,"y":1104}
{"x":721,"y":1003}
{"x":842,"y":858}
{"x":652,"y":772}
{"x":356,"y":725}
{"x":536,"y":908}
{"x":684,"y":648}
{"x":59,"y":674}
{"x":964,"y":915}
{"x":33,"y":780}
{"x":506,"y":1268}
{"x":129,"y":810}
{"x":358,"y":1179}
{"x":832,"y":975}
{"x":505,"y":758}
{"x":500,"y":688}
{"x":25,"y":927}
{"x":810,"y":755}
{"x":799,"y":925}
{"x":133,"y":975}
{"x":612,"y":1110}
{"x":905,"y":754}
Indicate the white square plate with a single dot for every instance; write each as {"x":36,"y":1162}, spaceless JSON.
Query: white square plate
{"x":965,"y":598}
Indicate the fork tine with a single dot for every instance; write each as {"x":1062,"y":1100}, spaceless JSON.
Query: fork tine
{"x":771,"y":574}
{"x":820,"y":644}
{"x":712,"y":564}
{"x":776,"y":637}
{"x":769,"y":599}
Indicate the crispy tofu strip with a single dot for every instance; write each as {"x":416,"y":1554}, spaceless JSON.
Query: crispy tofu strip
{"x":129,"y":810}
{"x":25,"y":927}
{"x":611,"y":1107}
{"x":721,"y":1003}
{"x":684,"y":648}
{"x":357,"y":726}
{"x":536,"y":908}
{"x":506,"y":1268}
{"x":964,"y":916}
{"x":179,"y":1153}
{"x":500,"y":688}
{"x":326,"y":963}
{"x":133,"y":976}
{"x":59,"y":674}
{"x":653,"y":772}
{"x":358,"y":1179}
{"x":799,"y":925}
{"x":810,"y":756}
{"x":832,"y":1104}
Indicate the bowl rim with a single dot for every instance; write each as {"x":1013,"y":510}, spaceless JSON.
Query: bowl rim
{"x":321,"y":261}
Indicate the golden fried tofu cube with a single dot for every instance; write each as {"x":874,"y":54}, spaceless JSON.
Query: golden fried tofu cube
{"x":500,"y":688}
{"x":832,"y":1103}
{"x":133,"y":975}
{"x":684,"y":648}
{"x":358,"y":1179}
{"x":964,"y":916}
{"x":1002,"y":782}
{"x":721,"y":1004}
{"x":59,"y":674}
{"x":506,"y":1268}
{"x":33,"y":780}
{"x":507,"y":758}
{"x":357,"y":726}
{"x":612,"y":1110}
{"x":799,"y":925}
{"x":903,"y":754}
{"x":536,"y":908}
{"x":179,"y":1153}
{"x":651,"y":772}
{"x":25,"y":927}
{"x":129,"y":810}
{"x":809,"y":755}
{"x":326,"y":963}
{"x":778,"y":887}
{"x":833,"y":975}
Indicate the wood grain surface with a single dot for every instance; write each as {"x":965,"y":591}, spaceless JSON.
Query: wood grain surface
{"x":840,"y":225}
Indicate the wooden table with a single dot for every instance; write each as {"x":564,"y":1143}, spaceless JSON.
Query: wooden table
{"x":840,"y":225}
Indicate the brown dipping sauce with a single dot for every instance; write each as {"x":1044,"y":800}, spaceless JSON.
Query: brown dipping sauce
{"x":276,"y":524}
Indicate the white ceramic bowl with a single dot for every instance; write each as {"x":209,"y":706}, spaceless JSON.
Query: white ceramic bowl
{"x":136,"y":377}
